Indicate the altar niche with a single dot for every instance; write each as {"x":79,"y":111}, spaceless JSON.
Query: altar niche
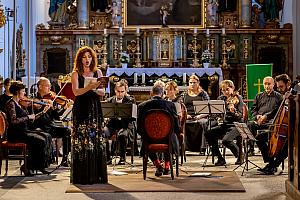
{"x":56,"y":61}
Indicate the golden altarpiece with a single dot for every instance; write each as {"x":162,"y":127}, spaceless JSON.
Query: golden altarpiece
{"x":166,"y":41}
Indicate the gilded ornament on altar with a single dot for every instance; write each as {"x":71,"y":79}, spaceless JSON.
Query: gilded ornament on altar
{"x":2,"y":17}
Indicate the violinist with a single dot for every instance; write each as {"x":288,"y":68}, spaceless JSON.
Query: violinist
{"x":226,"y":130}
{"x":284,"y":86}
{"x":263,"y":110}
{"x":6,"y":95}
{"x":39,"y":143}
{"x":46,"y":121}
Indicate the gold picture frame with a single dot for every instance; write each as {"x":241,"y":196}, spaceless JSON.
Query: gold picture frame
{"x":148,"y":14}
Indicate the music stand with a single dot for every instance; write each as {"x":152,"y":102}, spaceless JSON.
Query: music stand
{"x":246,"y":136}
{"x":119,"y":110}
{"x":209,"y":107}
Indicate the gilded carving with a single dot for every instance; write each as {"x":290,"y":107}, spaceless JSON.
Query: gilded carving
{"x":2,"y":17}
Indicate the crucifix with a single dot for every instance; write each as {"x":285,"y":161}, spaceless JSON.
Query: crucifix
{"x":258,"y":84}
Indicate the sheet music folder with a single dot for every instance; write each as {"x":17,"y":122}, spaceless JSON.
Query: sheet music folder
{"x":119,"y":110}
{"x":209,"y":107}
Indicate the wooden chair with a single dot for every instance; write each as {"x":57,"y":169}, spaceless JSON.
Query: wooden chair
{"x":158,"y":128}
{"x":6,"y":147}
{"x":181,"y":136}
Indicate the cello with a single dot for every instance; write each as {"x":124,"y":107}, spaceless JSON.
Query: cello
{"x":279,"y":128}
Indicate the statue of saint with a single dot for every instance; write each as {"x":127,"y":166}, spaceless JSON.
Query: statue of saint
{"x":115,"y":11}
{"x":272,"y":8}
{"x":57,"y":10}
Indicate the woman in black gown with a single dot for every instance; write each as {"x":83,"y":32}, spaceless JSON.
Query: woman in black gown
{"x":39,"y":143}
{"x":88,"y":153}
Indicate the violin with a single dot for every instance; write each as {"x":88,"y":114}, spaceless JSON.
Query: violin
{"x":60,"y":100}
{"x":29,"y":102}
{"x":233,"y":100}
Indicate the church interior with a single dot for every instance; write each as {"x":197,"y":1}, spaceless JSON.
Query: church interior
{"x":145,"y":41}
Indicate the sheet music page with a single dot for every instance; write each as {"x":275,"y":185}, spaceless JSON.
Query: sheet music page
{"x":88,"y":80}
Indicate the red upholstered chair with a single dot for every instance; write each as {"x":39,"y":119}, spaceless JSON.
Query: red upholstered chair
{"x":158,"y":128}
{"x":6,"y":147}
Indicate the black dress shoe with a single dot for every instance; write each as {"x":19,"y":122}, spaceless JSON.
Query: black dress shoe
{"x":166,"y":171}
{"x":220,"y":162}
{"x":270,"y":171}
{"x":25,"y":171}
{"x":44,"y":171}
{"x":264,"y":169}
{"x":159,"y":171}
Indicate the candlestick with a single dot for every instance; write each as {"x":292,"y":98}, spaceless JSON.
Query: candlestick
{"x":120,"y":30}
{"x":137,"y":30}
{"x":195,"y":30}
{"x":207,"y":31}
{"x":105,"y":31}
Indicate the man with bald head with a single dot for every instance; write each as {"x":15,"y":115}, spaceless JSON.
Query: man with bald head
{"x":264,"y":109}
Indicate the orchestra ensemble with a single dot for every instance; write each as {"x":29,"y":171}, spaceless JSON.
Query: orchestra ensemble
{"x":32,"y":120}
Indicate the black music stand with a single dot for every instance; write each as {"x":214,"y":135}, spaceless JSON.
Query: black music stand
{"x":119,"y":110}
{"x":210,"y":107}
{"x":246,"y":137}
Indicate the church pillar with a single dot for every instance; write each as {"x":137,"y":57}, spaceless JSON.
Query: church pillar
{"x":245,"y":14}
{"x":83,"y":14}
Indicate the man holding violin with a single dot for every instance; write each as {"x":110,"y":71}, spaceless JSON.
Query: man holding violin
{"x":46,"y":121}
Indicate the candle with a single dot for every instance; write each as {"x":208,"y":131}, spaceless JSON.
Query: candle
{"x":223,"y":31}
{"x":195,"y":30}
{"x":184,"y":78}
{"x":137,"y":30}
{"x":207,"y":31}
{"x":143,"y":78}
{"x":120,"y":30}
{"x":105,"y":31}
{"x":135,"y":78}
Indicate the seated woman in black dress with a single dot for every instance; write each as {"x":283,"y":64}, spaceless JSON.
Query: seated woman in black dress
{"x":38,"y":143}
{"x":196,"y":124}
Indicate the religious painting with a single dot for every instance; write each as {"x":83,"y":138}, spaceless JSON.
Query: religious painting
{"x":163,"y":13}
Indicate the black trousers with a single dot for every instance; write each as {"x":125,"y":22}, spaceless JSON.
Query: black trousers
{"x":65,"y":134}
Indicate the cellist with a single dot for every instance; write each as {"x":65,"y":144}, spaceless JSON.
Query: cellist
{"x":263,"y":110}
{"x":284,"y":86}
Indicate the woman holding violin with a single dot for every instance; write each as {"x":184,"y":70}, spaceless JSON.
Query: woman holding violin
{"x":226,"y":130}
{"x":39,"y":149}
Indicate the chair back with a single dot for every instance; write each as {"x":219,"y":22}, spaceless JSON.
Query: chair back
{"x":3,"y":125}
{"x":158,"y":125}
{"x":183,"y":116}
{"x":245,"y":113}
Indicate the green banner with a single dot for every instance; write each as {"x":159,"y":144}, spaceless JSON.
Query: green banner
{"x":255,"y":74}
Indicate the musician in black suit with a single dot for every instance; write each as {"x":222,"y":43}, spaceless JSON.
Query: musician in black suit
{"x":285,"y":87}
{"x":264,"y":109}
{"x":157,"y":102}
{"x":123,"y":128}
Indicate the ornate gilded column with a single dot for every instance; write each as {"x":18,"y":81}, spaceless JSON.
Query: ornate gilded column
{"x":245,"y":14}
{"x":83,"y":14}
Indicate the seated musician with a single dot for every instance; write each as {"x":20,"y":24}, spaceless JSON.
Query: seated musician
{"x":46,"y":122}
{"x":171,"y":89}
{"x":6,"y":95}
{"x":283,"y":85}
{"x":122,"y":128}
{"x":157,"y":102}
{"x":226,"y":130}
{"x":196,"y":124}
{"x":264,"y":109}
{"x":39,"y":143}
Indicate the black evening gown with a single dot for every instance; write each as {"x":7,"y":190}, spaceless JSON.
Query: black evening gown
{"x":88,"y":150}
